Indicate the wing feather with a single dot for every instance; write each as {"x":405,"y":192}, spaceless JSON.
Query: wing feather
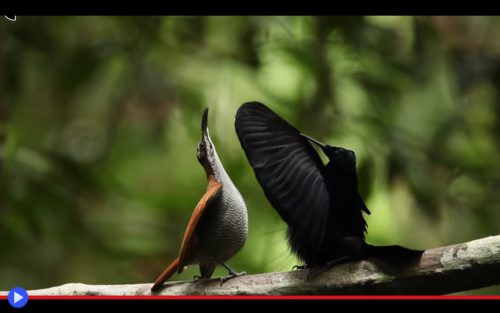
{"x":288,"y":169}
{"x":188,"y":243}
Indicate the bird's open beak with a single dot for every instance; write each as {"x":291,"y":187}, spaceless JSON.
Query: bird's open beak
{"x":322,"y":145}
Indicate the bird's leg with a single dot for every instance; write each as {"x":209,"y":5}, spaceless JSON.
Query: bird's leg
{"x":232,"y":274}
{"x":197,"y":277}
{"x":315,"y":271}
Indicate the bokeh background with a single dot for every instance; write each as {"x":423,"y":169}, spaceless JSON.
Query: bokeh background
{"x":100,"y":117}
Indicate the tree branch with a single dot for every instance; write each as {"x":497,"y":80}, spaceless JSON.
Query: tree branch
{"x":455,"y":268}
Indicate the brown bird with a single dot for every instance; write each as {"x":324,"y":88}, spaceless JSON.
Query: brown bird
{"x":218,"y":227}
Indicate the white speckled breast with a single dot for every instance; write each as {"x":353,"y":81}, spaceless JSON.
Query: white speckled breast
{"x":224,"y":227}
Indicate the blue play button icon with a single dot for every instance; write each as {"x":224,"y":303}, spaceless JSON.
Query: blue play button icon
{"x":18,"y":297}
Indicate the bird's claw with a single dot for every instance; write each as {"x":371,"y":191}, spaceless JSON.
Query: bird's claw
{"x":231,"y":276}
{"x":299,"y":267}
{"x":315,"y":271}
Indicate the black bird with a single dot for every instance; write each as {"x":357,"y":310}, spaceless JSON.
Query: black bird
{"x":320,"y":203}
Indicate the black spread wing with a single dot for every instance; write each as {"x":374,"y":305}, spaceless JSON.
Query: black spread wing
{"x":288,"y":169}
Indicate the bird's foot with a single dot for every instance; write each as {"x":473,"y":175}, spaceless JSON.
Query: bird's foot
{"x":231,"y":275}
{"x":197,"y":277}
{"x":315,"y":271}
{"x":338,"y":261}
{"x":300,"y":267}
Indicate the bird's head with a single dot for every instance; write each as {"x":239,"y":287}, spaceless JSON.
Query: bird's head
{"x":337,"y":155}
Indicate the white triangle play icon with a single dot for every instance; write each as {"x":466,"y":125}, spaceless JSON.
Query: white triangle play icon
{"x":17,"y":297}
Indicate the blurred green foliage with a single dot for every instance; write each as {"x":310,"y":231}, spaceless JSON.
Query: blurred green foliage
{"x":100,"y":117}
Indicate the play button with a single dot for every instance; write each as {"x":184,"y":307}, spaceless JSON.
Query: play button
{"x":18,"y":297}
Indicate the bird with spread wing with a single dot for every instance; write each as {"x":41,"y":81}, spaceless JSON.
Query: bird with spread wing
{"x":320,"y":203}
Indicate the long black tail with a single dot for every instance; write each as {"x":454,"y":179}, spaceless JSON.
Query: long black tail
{"x":393,"y":253}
